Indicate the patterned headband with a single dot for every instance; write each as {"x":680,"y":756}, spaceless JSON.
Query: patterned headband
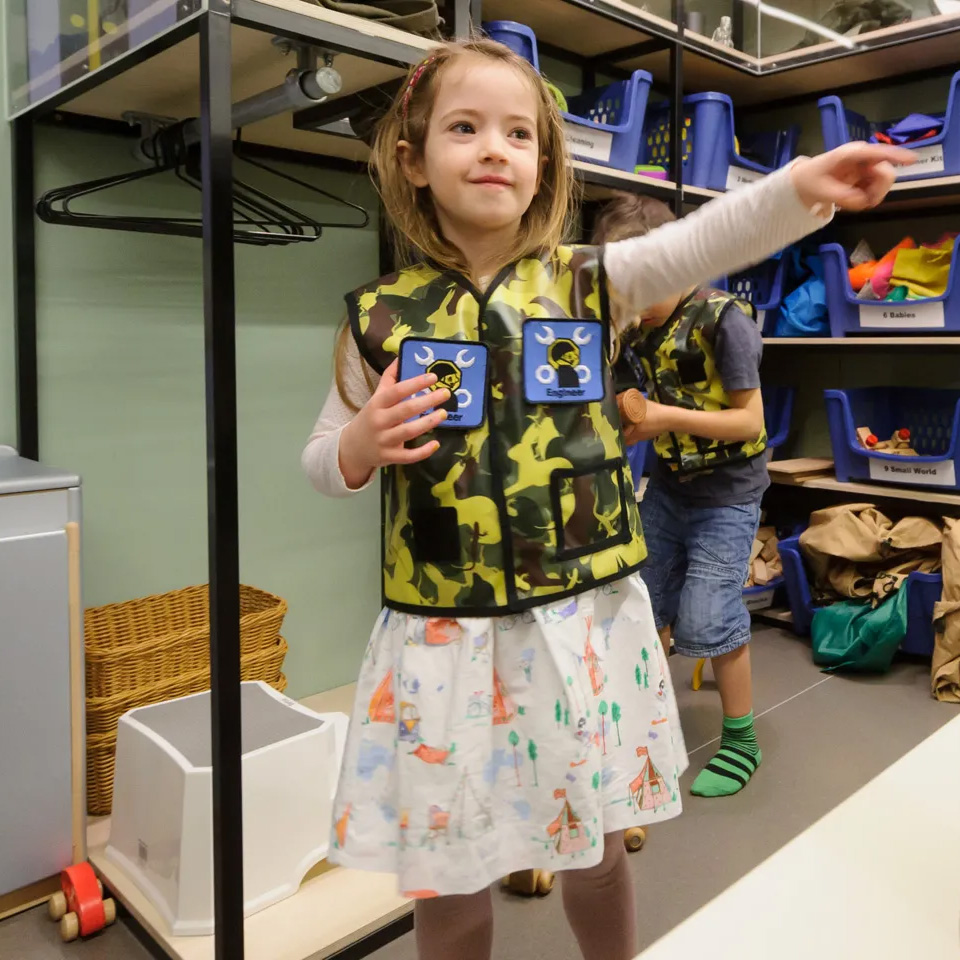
{"x":412,"y":82}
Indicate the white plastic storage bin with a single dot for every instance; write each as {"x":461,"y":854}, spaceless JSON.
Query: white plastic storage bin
{"x":162,"y":828}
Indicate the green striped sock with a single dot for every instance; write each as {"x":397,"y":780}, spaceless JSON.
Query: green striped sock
{"x":735,"y":762}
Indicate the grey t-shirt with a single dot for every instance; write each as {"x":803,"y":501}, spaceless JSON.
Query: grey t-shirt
{"x":738,"y":350}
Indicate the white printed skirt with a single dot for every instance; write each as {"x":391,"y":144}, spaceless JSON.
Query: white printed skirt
{"x":483,"y":746}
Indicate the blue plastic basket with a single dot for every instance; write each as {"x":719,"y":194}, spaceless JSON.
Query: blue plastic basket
{"x":931,"y":416}
{"x":778,"y":414}
{"x":641,"y":457}
{"x":762,"y":286}
{"x":710,"y":157}
{"x":850,"y":315}
{"x":923,"y":591}
{"x":762,"y":597}
{"x":517,"y":36}
{"x":937,"y":157}
{"x":605,"y":125}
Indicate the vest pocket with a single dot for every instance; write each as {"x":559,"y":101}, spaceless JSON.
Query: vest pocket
{"x":436,"y":535}
{"x":589,"y":508}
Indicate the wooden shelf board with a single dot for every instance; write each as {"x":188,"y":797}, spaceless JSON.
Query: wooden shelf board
{"x":166,"y":85}
{"x":333,"y":908}
{"x":775,"y":78}
{"x":307,"y":21}
{"x":577,"y":29}
{"x":314,"y":19}
{"x":794,"y":472}
{"x":874,"y":490}
{"x":896,"y":34}
{"x":881,"y":65}
{"x":702,"y":73}
{"x":600,"y":183}
{"x":939,"y":192}
{"x":777,"y":615}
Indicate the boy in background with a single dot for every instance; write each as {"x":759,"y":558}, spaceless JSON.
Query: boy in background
{"x":698,"y":356}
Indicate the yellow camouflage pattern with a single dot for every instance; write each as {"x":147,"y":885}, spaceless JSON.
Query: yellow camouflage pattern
{"x":678,"y":360}
{"x":543,"y":496}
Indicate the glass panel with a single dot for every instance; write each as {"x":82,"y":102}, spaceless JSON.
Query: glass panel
{"x":53,"y":43}
{"x":730,"y":23}
{"x":805,"y":26}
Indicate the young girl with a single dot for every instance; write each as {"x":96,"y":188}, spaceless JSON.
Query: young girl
{"x":514,"y":708}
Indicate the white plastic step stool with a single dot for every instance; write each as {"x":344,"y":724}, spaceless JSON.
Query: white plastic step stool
{"x":161,"y":830}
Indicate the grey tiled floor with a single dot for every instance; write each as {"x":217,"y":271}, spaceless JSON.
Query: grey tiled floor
{"x":823,"y":738}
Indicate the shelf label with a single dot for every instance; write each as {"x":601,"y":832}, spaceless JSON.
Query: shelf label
{"x":903,"y":313}
{"x":738,"y":176}
{"x":587,"y":143}
{"x":929,"y":160}
{"x":759,"y":601}
{"x":941,"y":474}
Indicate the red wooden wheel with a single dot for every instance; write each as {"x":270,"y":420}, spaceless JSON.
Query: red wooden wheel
{"x":82,"y":892}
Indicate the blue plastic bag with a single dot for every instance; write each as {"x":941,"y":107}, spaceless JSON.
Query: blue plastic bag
{"x":803,"y":312}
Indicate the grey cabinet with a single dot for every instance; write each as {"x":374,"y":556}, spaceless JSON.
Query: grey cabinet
{"x":41,"y":721}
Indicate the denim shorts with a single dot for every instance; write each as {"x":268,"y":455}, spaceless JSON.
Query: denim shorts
{"x":697,"y":560}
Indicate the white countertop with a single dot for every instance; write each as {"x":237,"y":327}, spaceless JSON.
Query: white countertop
{"x":877,"y":878}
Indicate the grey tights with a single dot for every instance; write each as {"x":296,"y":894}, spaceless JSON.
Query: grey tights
{"x":598,"y":903}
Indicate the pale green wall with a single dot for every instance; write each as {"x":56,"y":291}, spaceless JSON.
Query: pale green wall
{"x":122,"y":402}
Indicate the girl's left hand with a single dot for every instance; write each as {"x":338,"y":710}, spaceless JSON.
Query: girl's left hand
{"x":855,"y":176}
{"x":656,"y":421}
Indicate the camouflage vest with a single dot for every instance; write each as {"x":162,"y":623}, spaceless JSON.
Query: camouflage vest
{"x":678,"y":361}
{"x":536,"y":502}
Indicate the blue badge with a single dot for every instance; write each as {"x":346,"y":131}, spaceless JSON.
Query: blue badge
{"x":563,"y":361}
{"x":460,"y":366}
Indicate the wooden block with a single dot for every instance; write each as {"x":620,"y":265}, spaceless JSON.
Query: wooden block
{"x":862,"y":434}
{"x":796,"y":471}
{"x":755,"y":550}
{"x":766,"y":533}
{"x":760,"y":574}
{"x":771,"y":550}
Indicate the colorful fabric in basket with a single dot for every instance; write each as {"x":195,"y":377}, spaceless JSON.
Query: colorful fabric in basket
{"x":905,"y":272}
{"x":911,"y":129}
{"x":925,"y":270}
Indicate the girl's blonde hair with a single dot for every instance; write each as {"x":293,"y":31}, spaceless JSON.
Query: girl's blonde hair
{"x":410,"y":211}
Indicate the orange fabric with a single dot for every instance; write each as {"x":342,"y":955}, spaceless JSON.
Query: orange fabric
{"x":863,"y":272}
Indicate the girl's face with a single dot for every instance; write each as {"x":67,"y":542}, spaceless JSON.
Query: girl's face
{"x":481,"y":159}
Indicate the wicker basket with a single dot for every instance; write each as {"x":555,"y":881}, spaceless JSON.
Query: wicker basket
{"x":162,"y":638}
{"x":102,"y":730}
{"x":104,"y":712}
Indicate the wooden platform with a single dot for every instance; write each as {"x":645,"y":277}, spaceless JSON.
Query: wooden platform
{"x":333,"y":908}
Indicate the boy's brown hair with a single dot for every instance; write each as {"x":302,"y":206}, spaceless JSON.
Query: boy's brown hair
{"x":630,"y":215}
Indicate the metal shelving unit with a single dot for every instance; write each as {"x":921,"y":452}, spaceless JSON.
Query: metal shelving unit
{"x":220,"y":50}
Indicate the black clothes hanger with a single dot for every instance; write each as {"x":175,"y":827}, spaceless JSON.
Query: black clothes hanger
{"x":258,"y":218}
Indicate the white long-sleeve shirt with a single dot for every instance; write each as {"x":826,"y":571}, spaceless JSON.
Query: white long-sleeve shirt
{"x":736,"y":230}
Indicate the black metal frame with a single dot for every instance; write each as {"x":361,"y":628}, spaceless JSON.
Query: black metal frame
{"x":214,"y":29}
{"x":223,"y":534}
{"x":25,"y":289}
